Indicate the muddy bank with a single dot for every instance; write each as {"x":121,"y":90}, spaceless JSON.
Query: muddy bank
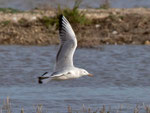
{"x":111,"y":26}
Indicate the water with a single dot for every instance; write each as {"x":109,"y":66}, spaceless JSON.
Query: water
{"x":121,"y":77}
{"x":30,"y":4}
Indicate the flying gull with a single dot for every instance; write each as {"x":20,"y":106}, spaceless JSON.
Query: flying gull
{"x":64,"y":68}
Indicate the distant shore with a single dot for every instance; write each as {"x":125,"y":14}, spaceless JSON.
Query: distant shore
{"x":108,"y":26}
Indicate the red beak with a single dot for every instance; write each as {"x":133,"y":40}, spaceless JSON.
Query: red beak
{"x":90,"y":75}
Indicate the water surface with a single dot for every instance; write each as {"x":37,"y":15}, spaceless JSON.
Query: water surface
{"x":121,"y":77}
{"x":30,"y":4}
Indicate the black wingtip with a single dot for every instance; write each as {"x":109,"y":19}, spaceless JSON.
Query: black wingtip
{"x":60,"y":18}
{"x":60,"y":21}
{"x":61,"y":15}
{"x":40,"y":81}
{"x":41,"y":78}
{"x":45,"y":73}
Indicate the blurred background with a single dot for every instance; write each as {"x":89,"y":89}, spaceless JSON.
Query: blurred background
{"x":31,"y":4}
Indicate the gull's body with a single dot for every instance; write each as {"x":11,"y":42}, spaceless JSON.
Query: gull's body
{"x":64,"y":68}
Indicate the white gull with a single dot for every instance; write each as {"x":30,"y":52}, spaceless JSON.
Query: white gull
{"x":64,"y":68}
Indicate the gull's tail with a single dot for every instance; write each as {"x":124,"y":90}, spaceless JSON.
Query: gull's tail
{"x":44,"y":78}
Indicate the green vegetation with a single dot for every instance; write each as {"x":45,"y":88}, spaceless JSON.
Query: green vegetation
{"x":73,"y":15}
{"x":9,"y":10}
{"x":105,"y":5}
{"x":24,"y":23}
{"x":50,"y":21}
{"x":113,"y":17}
{"x":5,"y":23}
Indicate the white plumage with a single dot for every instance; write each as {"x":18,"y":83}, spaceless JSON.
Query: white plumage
{"x":64,"y":68}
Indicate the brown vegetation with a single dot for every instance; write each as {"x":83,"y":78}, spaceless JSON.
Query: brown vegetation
{"x":6,"y":108}
{"x":111,"y":26}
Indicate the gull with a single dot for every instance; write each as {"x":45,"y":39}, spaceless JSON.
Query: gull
{"x":64,"y":67}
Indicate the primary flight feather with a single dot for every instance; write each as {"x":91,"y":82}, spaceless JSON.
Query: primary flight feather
{"x":64,"y":67}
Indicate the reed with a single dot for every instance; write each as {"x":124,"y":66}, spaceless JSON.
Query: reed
{"x":39,"y":109}
{"x":22,"y":110}
{"x":6,"y":108}
{"x":108,"y":109}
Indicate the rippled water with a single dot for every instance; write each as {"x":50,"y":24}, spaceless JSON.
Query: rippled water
{"x":29,"y":4}
{"x":121,"y":76}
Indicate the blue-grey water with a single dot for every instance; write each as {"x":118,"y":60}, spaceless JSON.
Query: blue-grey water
{"x":30,"y":4}
{"x":121,"y":77}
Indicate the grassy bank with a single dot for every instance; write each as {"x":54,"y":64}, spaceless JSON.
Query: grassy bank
{"x":7,"y":108}
{"x":93,"y":27}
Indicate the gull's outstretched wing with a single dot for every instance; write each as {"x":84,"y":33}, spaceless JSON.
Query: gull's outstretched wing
{"x":68,"y":44}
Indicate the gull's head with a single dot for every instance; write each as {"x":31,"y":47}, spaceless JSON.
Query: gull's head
{"x":84,"y":72}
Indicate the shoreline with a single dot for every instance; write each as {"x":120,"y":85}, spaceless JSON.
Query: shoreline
{"x":108,"y":27}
